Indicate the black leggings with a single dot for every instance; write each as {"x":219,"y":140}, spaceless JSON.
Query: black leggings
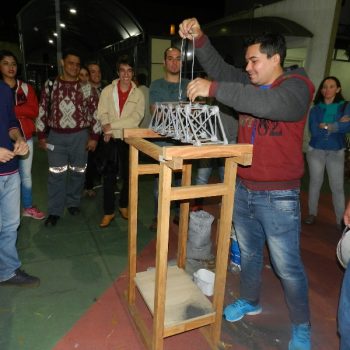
{"x":118,"y":154}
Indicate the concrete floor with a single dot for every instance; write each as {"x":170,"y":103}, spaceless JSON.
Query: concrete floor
{"x":80,"y":303}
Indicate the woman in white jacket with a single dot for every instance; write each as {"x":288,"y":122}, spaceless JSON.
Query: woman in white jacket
{"x":121,"y":105}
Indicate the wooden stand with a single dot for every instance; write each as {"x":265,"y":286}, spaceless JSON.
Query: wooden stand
{"x":175,"y":301}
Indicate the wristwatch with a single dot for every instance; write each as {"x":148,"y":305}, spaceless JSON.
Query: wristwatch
{"x":325,"y":127}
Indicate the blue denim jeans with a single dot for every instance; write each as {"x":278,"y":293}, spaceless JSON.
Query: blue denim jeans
{"x":9,"y":222}
{"x":206,"y":165}
{"x":343,"y":312}
{"x":271,"y":217}
{"x":333,"y":161}
{"x":25,"y":172}
{"x":205,"y":169}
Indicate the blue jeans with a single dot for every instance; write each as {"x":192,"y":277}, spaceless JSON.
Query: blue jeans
{"x":272,"y":217}
{"x":205,"y":168}
{"x":9,"y":222}
{"x":343,"y":312}
{"x":319,"y":160}
{"x":206,"y":165}
{"x":25,"y":172}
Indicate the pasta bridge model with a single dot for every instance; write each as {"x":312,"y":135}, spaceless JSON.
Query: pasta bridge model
{"x":197,"y":124}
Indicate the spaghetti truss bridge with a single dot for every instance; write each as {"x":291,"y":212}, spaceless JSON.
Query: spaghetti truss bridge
{"x":193,"y":123}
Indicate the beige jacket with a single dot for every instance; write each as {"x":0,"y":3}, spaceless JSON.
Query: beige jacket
{"x":108,"y":109}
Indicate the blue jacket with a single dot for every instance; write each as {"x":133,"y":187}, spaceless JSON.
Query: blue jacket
{"x":8,"y":121}
{"x":332,"y":139}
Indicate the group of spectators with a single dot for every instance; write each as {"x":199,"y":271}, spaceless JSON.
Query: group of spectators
{"x":76,"y":115}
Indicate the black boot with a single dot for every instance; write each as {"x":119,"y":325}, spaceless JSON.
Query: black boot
{"x":51,"y":220}
{"x":73,"y":210}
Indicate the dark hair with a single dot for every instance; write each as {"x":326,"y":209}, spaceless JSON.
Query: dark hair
{"x":96,"y":63}
{"x":70,"y":51}
{"x":203,"y":75}
{"x":84,"y":67}
{"x":125,"y":59}
{"x":169,"y":49}
{"x":270,"y":44}
{"x":141,"y":79}
{"x":7,"y":53}
{"x":337,"y":98}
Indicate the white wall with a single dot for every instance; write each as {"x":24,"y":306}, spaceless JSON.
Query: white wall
{"x":341,"y":70}
{"x":158,"y":46}
{"x":317,"y":17}
{"x":295,"y":56}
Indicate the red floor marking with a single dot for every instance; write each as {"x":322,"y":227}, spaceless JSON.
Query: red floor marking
{"x":107,"y":325}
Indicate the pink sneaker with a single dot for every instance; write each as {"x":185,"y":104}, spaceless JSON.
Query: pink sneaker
{"x":34,"y":213}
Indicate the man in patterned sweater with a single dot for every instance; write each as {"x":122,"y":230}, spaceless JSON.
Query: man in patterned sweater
{"x":67,"y":128}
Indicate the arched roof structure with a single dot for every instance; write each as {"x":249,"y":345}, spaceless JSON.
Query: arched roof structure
{"x":97,"y":25}
{"x":228,"y":33}
{"x":256,"y":25}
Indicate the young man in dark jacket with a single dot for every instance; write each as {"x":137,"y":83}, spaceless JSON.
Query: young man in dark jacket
{"x":272,"y":106}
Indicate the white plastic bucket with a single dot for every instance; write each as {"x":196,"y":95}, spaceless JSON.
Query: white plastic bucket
{"x":205,"y":279}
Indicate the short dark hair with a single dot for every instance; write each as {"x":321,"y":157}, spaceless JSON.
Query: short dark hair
{"x":169,"y":49}
{"x":270,"y":44}
{"x":337,"y":98}
{"x":125,"y":59}
{"x":70,"y":51}
{"x":8,"y":53}
{"x":85,"y":68}
{"x":89,"y":63}
{"x":141,"y":78}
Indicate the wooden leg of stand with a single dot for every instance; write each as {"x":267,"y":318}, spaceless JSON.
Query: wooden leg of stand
{"x":132,"y":222}
{"x":223,"y":247}
{"x":184,"y":218}
{"x":161,"y":256}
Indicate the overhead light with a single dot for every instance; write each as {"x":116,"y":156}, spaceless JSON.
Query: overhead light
{"x":51,"y":41}
{"x":36,"y":29}
{"x":62,"y":25}
{"x":73,"y":11}
{"x":55,"y":34}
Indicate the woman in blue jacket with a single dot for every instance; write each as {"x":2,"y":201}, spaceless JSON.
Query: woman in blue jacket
{"x":329,"y":120}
